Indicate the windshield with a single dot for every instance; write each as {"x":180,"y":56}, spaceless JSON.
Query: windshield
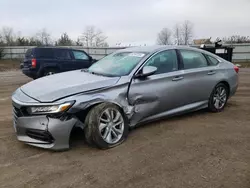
{"x":117,"y":64}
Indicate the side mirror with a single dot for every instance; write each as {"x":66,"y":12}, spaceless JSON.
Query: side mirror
{"x":90,"y":58}
{"x":146,"y":71}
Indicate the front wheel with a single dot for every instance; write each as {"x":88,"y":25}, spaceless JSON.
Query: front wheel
{"x":106,"y":126}
{"x":218,"y":98}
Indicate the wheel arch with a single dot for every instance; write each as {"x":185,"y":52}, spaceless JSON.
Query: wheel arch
{"x":226,"y":84}
{"x":82,"y":114}
{"x":42,"y":69}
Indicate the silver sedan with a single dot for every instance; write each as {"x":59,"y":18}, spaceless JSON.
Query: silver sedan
{"x":129,"y":87}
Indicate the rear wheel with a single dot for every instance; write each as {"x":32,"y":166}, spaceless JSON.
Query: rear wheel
{"x":106,"y":126}
{"x":218,"y":98}
{"x":50,"y":71}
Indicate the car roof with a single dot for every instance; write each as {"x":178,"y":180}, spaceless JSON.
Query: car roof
{"x":155,"y":48}
{"x":55,"y":47}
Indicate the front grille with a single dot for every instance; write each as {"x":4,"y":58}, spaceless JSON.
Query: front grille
{"x":40,"y":135}
{"x":16,"y":114}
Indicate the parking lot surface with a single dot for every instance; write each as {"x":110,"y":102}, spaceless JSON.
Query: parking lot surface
{"x":200,"y":149}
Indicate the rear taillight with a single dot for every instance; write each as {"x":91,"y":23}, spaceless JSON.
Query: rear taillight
{"x":236,"y":69}
{"x":33,"y":63}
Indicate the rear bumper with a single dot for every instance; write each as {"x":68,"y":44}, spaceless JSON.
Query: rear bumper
{"x":233,"y":90}
{"x":30,"y":73}
{"x":234,"y":83}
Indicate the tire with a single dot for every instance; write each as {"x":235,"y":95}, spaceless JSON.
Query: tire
{"x":50,"y":71}
{"x":114,"y":130}
{"x":218,"y":95}
{"x":87,"y":132}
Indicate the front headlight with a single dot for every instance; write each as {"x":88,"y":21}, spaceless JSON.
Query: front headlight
{"x":50,"y":109}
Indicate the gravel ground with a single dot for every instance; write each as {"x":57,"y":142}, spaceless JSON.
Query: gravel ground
{"x":200,"y":149}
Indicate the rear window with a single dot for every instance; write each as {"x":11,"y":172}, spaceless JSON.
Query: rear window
{"x":44,"y":53}
{"x":193,"y":59}
{"x":80,"y":55}
{"x":28,"y":53}
{"x":212,"y":61}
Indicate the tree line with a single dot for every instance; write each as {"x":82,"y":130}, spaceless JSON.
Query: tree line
{"x":182,"y":34}
{"x":90,"y":37}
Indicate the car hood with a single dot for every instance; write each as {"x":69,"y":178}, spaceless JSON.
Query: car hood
{"x":57,"y":86}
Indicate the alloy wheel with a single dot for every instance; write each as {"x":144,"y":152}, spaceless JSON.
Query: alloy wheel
{"x":220,"y":97}
{"x":49,"y":73}
{"x":111,"y":125}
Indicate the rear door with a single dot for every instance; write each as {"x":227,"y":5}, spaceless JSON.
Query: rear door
{"x":64,"y":60}
{"x":199,"y":77}
{"x":81,"y":59}
{"x":44,"y":58}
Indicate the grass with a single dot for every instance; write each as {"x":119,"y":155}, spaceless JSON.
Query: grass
{"x":245,"y":64}
{"x":9,"y":64}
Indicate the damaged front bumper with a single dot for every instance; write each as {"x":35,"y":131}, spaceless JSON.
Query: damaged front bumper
{"x":43,"y":131}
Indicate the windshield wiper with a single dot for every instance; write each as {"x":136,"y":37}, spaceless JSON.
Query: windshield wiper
{"x":91,"y":72}
{"x":96,"y":73}
{"x":84,"y":70}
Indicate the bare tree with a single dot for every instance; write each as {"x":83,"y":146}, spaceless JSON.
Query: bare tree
{"x":1,"y":48}
{"x":8,"y":36}
{"x":2,"y":54}
{"x":236,"y":39}
{"x":104,"y":44}
{"x":100,"y":39}
{"x":22,"y":41}
{"x":93,"y":37}
{"x":78,"y":42}
{"x":33,"y":41}
{"x":1,"y":40}
{"x":187,"y":32}
{"x":177,"y":34}
{"x":164,"y":37}
{"x":44,"y":37}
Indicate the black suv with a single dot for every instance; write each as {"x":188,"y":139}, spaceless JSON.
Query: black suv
{"x":43,"y":61}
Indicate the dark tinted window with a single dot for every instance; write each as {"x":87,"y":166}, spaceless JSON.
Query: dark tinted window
{"x":28,"y":53}
{"x":212,"y":60}
{"x":165,"y":61}
{"x":80,"y":55}
{"x":62,"y":54}
{"x":193,"y":59}
{"x":44,"y":53}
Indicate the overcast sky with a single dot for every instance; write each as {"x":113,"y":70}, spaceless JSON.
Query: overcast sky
{"x":126,"y":21}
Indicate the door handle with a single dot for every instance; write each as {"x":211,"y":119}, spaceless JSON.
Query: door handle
{"x":177,"y":78}
{"x":211,"y":72}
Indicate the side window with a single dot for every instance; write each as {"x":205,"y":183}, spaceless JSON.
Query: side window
{"x":62,"y":54}
{"x":193,"y":59}
{"x":165,"y":61}
{"x":212,"y":60}
{"x":80,"y":55}
{"x":44,"y":53}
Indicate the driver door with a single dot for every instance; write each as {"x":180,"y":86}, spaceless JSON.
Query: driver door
{"x":159,"y":92}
